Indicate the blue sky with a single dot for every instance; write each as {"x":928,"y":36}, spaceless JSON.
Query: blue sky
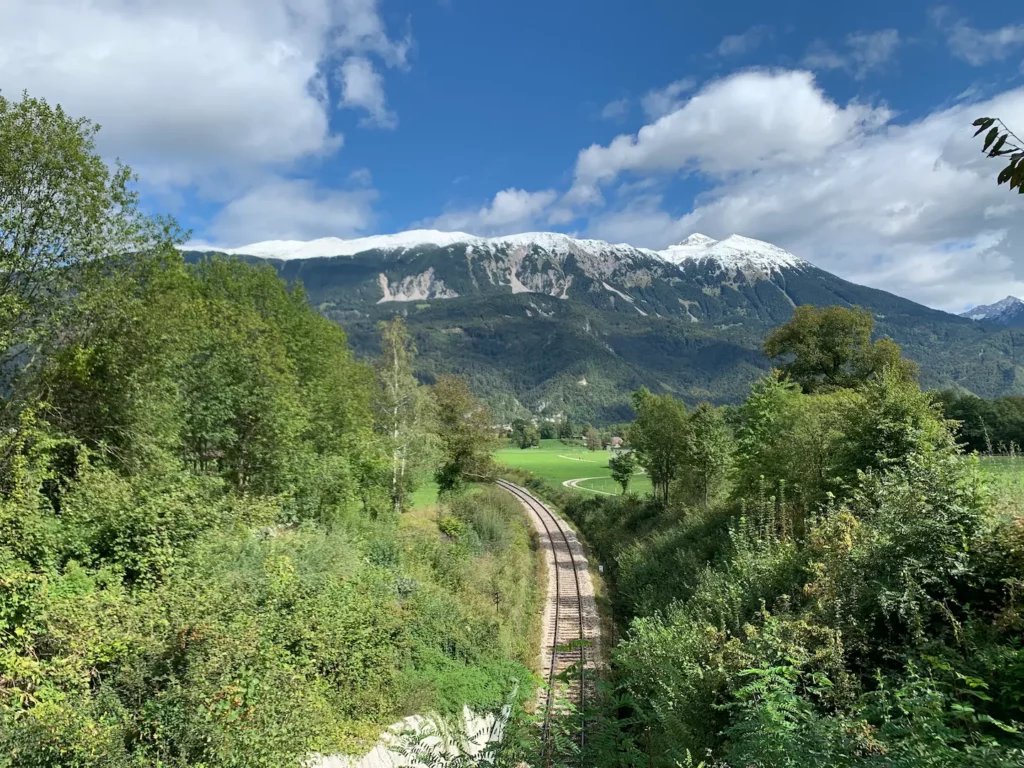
{"x":837,"y":130}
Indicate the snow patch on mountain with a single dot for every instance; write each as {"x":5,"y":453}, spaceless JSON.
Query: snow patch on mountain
{"x":334,"y":246}
{"x":617,"y":292}
{"x":734,"y":252}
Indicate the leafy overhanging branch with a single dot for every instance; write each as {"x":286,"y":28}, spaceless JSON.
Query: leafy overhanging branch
{"x":1000,"y":141}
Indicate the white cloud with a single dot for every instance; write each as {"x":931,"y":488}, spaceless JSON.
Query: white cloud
{"x":975,"y":46}
{"x":363,"y":87}
{"x":661,"y":101}
{"x":293,"y":209}
{"x":511,"y":211}
{"x":192,"y":92}
{"x":615,"y":110}
{"x":734,"y":45}
{"x":865,"y":52}
{"x":748,"y":121}
{"x":363,"y":31}
{"x":912,"y":209}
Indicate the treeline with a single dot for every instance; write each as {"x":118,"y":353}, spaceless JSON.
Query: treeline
{"x":203,"y":555}
{"x":820,"y":578}
{"x":986,"y":426}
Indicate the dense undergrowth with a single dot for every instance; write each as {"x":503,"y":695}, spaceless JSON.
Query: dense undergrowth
{"x":175,"y":589}
{"x":204,"y":558}
{"x":850,"y":597}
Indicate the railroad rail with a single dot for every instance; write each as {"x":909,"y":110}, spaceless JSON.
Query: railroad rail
{"x":566,"y":631}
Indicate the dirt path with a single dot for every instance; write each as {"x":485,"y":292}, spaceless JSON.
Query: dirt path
{"x":576,"y":484}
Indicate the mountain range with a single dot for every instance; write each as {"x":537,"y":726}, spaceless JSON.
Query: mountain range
{"x":548,"y":324}
{"x":1008,"y":311}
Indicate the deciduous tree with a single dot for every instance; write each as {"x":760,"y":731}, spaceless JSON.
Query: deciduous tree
{"x":465,"y":431}
{"x":61,"y":209}
{"x":622,"y":465}
{"x":401,"y":409}
{"x":659,"y":438}
{"x":831,"y":348}
{"x":708,"y":453}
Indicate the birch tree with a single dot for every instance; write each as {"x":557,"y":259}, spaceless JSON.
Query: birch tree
{"x":401,"y":410}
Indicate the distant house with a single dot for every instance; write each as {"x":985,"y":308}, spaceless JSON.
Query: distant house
{"x":615,"y":443}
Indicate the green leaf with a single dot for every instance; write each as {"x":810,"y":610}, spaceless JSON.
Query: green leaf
{"x":985,"y":123}
{"x":990,"y":138}
{"x":999,"y":145}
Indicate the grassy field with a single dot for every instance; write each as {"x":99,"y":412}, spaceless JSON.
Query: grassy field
{"x":556,"y":462}
{"x":1007,"y":476}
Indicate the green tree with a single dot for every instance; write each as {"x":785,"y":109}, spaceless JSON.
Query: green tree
{"x":401,"y":409}
{"x":592,"y":438}
{"x":525,"y":434}
{"x":622,"y":465}
{"x":708,"y":453}
{"x":658,"y":436}
{"x":566,"y":429}
{"x":465,"y":431}
{"x":831,"y":348}
{"x":61,"y":210}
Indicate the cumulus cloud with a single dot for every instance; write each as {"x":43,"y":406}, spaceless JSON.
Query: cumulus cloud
{"x":511,"y":211}
{"x":752,"y":120}
{"x":213,"y":96}
{"x":293,"y":209}
{"x":913,"y":209}
{"x":661,"y":101}
{"x":735,"y":45}
{"x":363,"y":87}
{"x":975,"y":46}
{"x":864,"y":53}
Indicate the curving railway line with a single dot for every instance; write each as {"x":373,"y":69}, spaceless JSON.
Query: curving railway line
{"x":571,"y":625}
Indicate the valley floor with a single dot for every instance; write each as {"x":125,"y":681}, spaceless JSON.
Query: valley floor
{"x":571,"y":466}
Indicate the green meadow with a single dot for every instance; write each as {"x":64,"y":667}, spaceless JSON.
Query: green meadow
{"x":556,"y":462}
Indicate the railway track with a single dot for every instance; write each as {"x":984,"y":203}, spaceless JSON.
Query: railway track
{"x":571,"y":623}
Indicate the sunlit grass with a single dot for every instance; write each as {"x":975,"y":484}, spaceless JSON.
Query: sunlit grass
{"x":555,"y":462}
{"x":1006,"y":475}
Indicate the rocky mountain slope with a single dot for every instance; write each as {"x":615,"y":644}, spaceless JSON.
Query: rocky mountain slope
{"x":1009,"y":312}
{"x":551,"y":324}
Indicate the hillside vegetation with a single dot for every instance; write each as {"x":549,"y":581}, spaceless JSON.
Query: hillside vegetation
{"x":205,"y":558}
{"x":698,"y":338}
{"x":823,"y":578}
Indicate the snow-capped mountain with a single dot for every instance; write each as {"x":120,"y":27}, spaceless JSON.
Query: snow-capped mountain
{"x":1008,"y":311}
{"x":734,"y":252}
{"x":527,"y":317}
{"x":422,"y":265}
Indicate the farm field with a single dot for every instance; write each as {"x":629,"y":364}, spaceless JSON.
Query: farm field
{"x":556,"y":463}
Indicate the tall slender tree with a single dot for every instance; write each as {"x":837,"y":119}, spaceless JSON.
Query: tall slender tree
{"x":401,"y":409}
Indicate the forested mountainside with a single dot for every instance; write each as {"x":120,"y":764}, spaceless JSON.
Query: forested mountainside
{"x":548,"y":324}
